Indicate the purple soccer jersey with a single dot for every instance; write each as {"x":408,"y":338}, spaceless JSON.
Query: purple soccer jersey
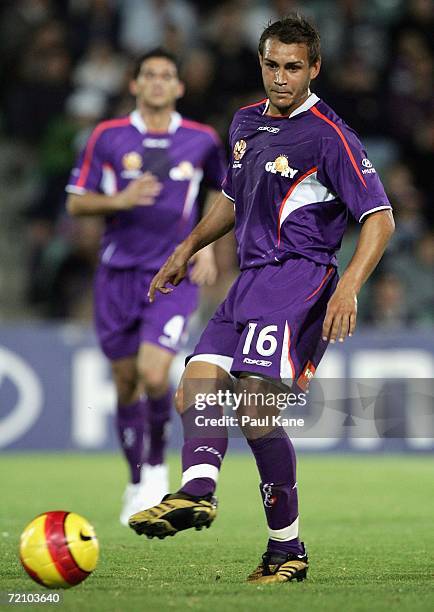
{"x":137,"y":242}
{"x":293,"y":180}
{"x":119,"y":151}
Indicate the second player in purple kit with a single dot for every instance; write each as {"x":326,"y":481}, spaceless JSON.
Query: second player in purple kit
{"x":142,"y":173}
{"x":296,"y":172}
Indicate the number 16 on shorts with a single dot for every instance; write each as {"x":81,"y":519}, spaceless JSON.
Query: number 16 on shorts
{"x":269,"y":348}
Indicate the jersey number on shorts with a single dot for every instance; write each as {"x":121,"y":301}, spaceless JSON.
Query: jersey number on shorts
{"x":266,"y":344}
{"x":172,"y":332}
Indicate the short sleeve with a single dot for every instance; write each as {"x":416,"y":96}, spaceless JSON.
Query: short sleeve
{"x":227,"y":188}
{"x":214,"y":166}
{"x":88,"y":170}
{"x":346,"y":170}
{"x":227,"y":184}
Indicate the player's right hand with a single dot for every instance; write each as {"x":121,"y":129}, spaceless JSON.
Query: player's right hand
{"x":173,"y":271}
{"x":140,"y":192}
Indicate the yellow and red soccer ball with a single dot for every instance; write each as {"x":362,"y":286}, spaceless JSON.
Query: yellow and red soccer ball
{"x":59,"y":549}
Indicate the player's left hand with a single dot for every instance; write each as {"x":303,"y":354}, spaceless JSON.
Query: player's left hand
{"x":341,"y":315}
{"x":204,"y":270}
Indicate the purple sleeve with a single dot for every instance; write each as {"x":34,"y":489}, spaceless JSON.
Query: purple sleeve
{"x":346,"y":170}
{"x":227,"y":181}
{"x":214,"y":166}
{"x":87,"y":173}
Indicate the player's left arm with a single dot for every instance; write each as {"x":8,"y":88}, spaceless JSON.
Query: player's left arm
{"x":204,"y":270}
{"x":340,"y":320}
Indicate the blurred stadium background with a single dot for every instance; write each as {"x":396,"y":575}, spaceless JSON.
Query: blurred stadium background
{"x":64,"y":66}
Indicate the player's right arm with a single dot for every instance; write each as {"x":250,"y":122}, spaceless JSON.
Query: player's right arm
{"x":218,"y":221}
{"x":140,"y":192}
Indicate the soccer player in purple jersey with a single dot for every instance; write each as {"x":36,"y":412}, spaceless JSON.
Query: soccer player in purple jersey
{"x":296,"y":172}
{"x":142,"y":173}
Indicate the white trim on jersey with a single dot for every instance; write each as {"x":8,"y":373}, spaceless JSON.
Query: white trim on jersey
{"x":308,"y":191}
{"x":108,"y":180}
{"x":287,"y":373}
{"x":137,"y":120}
{"x":307,"y":104}
{"x":228,"y":196}
{"x":192,"y":192}
{"x":286,"y":533}
{"x":368,"y":212}
{"x":108,"y":252}
{"x":175,"y":122}
{"x":75,"y":189}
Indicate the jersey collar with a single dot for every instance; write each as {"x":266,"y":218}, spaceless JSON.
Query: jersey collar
{"x":137,"y":120}
{"x":307,"y":104}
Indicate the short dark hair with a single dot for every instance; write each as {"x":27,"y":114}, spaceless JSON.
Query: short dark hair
{"x":157,"y":52}
{"x":294,"y":29}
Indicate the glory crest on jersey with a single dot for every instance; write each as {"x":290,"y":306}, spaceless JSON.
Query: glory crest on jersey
{"x":281,"y":166}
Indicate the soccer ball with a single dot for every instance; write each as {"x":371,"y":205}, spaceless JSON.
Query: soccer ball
{"x":59,"y":549}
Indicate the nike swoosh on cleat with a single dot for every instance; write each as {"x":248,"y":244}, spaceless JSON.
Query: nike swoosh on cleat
{"x":85,"y":538}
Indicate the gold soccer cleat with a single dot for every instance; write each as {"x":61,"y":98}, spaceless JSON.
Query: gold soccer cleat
{"x":176,"y":512}
{"x":277,"y":568}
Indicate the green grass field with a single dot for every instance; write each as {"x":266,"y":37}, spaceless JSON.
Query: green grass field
{"x":367,"y":521}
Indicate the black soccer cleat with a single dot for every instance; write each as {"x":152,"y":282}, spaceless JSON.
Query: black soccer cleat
{"x":280,"y":567}
{"x":176,"y":512}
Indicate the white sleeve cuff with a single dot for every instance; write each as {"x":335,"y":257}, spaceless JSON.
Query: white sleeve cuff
{"x":75,"y":189}
{"x":372,"y":210}
{"x":228,"y":196}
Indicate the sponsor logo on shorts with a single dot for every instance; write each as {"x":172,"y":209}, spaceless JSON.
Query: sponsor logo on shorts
{"x":281,"y":166}
{"x":368,"y":167}
{"x":306,"y":376}
{"x":268,"y":128}
{"x":259,"y":362}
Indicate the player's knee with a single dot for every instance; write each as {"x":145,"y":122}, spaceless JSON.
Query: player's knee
{"x":154,"y":381}
{"x":251,"y":390}
{"x":179,"y":400}
{"x":126,"y":389}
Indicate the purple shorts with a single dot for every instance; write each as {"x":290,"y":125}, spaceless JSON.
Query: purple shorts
{"x":124,"y":317}
{"x":271,"y":322}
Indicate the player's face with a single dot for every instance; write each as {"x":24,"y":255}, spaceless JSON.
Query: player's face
{"x":286,"y":74}
{"x":157,"y":86}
